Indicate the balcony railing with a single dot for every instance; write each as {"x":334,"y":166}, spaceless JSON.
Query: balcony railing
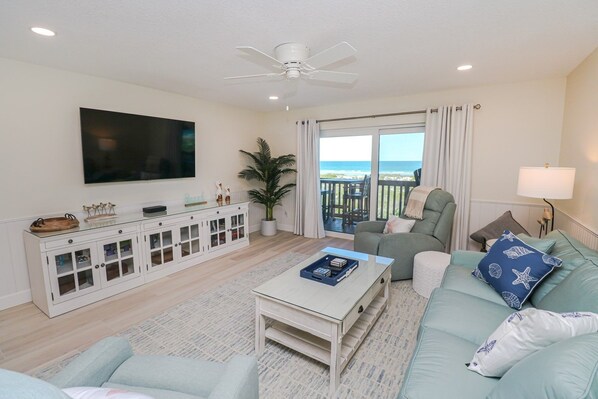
{"x":392,"y":196}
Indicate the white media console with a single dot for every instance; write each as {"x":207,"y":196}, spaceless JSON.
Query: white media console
{"x":71,"y":269}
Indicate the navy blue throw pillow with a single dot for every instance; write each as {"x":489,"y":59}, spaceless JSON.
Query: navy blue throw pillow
{"x":514,"y":268}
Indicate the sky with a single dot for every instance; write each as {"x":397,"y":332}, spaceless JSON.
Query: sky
{"x":393,"y":147}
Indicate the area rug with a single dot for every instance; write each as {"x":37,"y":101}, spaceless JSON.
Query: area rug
{"x":217,"y":324}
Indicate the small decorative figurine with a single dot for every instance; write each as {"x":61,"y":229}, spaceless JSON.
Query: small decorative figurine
{"x":227,"y":196}
{"x":100,"y":211}
{"x":219,"y":193}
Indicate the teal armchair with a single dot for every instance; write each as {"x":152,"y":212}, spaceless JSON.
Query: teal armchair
{"x":110,"y":363}
{"x":432,"y":233}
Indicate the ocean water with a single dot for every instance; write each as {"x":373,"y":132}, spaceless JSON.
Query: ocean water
{"x":360,"y":168}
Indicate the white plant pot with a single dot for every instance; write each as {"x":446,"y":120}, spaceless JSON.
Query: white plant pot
{"x":268,"y":227}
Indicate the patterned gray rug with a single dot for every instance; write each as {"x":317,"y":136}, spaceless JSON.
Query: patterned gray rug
{"x":220,"y":323}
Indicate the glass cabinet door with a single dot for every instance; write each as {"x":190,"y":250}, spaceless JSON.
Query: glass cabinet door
{"x":237,"y":227}
{"x":217,"y":232}
{"x":118,"y":259}
{"x":73,"y":272}
{"x":190,"y":239}
{"x":160,"y":245}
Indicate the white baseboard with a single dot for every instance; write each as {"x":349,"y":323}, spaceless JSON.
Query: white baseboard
{"x":17,"y":298}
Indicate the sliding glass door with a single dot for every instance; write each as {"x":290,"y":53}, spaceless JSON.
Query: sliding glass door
{"x":365,"y":174}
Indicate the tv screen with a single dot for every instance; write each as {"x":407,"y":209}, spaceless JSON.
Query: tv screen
{"x":127,"y":147}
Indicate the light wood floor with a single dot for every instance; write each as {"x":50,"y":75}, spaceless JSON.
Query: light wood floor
{"x":28,"y":338}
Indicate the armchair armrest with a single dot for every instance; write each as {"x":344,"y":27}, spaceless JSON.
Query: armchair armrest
{"x":94,"y":366}
{"x":370,"y":227}
{"x":403,"y":247}
{"x":467,"y":258}
{"x":239,"y":380}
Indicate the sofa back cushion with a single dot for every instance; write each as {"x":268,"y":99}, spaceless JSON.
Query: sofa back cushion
{"x":563,"y":370}
{"x":16,"y":385}
{"x":573,"y":254}
{"x":577,"y":293}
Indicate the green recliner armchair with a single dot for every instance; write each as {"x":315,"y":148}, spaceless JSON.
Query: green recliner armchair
{"x":429,"y":234}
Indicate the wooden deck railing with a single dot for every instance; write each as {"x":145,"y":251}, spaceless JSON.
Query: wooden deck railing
{"x":392,"y":196}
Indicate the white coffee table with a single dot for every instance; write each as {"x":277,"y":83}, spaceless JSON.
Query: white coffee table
{"x":323,"y":322}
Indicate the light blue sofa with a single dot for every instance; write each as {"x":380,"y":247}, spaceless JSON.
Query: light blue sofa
{"x":463,"y":312}
{"x":111,"y":363}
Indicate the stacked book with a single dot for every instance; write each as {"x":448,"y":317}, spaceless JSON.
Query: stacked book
{"x":337,"y":264}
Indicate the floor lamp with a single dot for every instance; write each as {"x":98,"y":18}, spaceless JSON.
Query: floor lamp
{"x":546,"y":182}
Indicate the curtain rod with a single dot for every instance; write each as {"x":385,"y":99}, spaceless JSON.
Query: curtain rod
{"x":477,"y":106}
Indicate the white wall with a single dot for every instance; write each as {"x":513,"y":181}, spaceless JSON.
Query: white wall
{"x":40,"y":141}
{"x":41,"y":171}
{"x":519,"y":124}
{"x":579,"y":145}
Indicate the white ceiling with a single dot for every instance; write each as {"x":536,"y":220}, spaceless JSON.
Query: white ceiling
{"x":403,"y":46}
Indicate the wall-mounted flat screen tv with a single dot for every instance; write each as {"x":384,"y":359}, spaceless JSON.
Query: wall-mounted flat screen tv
{"x":126,"y":147}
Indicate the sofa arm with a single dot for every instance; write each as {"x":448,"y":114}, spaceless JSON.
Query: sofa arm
{"x":403,"y":247}
{"x":467,"y":258}
{"x":370,"y":227}
{"x":239,"y":380}
{"x":94,"y":366}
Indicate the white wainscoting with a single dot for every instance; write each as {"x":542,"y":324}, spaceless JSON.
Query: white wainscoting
{"x":576,"y":229}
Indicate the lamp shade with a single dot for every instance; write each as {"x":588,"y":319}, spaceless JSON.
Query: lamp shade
{"x":546,"y":182}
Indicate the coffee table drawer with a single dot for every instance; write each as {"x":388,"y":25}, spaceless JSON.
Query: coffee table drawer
{"x":365,"y":301}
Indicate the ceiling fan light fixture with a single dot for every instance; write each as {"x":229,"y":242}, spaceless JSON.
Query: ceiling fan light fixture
{"x":42,"y":31}
{"x":293,"y":74}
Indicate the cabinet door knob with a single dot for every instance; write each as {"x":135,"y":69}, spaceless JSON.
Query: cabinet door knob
{"x":120,"y":232}
{"x":103,"y":264}
{"x":382,"y":281}
{"x":160,"y":224}
{"x":191,"y":217}
{"x":97,"y":266}
{"x":70,"y":241}
{"x":218,"y":212}
{"x":176,"y":245}
{"x":360,"y":309}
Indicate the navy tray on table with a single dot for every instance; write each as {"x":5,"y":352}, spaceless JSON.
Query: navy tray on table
{"x":335,"y":276}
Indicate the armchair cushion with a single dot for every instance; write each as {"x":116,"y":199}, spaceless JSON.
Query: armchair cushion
{"x":16,"y":385}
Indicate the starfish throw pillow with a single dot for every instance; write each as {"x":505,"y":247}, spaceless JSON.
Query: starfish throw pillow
{"x":514,"y":268}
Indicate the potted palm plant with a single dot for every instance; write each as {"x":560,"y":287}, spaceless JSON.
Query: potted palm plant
{"x":268,"y":171}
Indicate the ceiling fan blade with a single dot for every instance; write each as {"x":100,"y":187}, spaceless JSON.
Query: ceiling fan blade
{"x":332,"y":76}
{"x":331,"y":55}
{"x":252,"y":51}
{"x":259,"y":75}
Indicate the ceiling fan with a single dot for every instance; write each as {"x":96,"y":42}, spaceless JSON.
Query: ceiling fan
{"x":293,"y":61}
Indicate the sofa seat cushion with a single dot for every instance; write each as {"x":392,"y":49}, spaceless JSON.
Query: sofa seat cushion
{"x":153,"y":392}
{"x":463,"y":315}
{"x":438,"y":369}
{"x":194,"y":377}
{"x":459,"y":278}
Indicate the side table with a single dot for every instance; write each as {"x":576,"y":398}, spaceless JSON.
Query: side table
{"x":428,"y":270}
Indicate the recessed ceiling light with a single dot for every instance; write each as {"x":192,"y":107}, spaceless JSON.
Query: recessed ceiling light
{"x":273,"y":97}
{"x":464,"y":67}
{"x":43,"y":31}
{"x":287,"y":107}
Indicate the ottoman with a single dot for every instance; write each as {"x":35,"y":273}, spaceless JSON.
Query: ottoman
{"x":428,"y":269}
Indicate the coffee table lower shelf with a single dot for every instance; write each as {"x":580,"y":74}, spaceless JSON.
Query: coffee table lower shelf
{"x":318,"y":348}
